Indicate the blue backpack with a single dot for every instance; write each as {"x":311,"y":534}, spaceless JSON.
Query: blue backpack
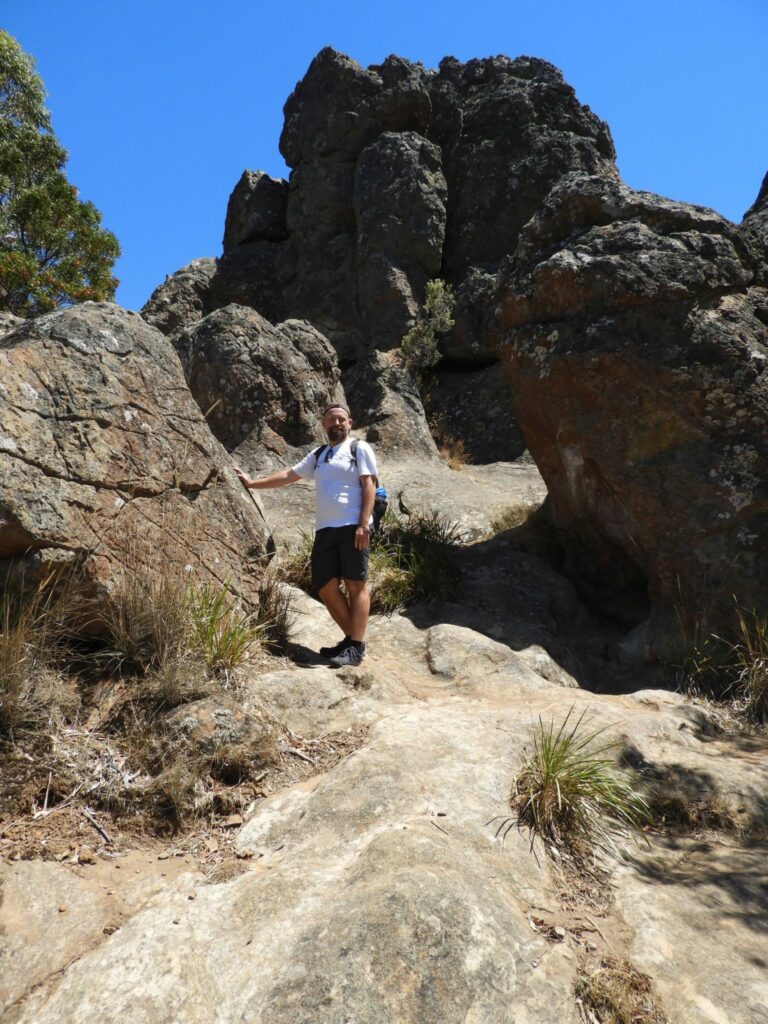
{"x":380,"y":502}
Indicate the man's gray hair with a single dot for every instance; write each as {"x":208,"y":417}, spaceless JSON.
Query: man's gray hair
{"x":336,"y":405}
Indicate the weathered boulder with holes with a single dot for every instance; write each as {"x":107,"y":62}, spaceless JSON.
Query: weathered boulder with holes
{"x":263,"y":387}
{"x":636,"y":342}
{"x":107,"y":457}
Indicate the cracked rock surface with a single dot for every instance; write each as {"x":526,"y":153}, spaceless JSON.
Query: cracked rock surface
{"x":103,"y":449}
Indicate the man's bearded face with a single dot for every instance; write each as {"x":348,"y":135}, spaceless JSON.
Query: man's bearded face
{"x":337,"y":425}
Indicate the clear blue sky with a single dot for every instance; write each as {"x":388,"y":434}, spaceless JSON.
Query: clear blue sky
{"x":162,"y":104}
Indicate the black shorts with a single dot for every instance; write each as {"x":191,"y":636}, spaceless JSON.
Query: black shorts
{"x":334,"y":555}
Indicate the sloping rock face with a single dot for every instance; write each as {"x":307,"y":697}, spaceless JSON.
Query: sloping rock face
{"x":105,"y":451}
{"x":272,"y":382}
{"x":635,"y":340}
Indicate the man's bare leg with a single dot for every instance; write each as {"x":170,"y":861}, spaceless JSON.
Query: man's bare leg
{"x":359,"y":608}
{"x":338,"y":607}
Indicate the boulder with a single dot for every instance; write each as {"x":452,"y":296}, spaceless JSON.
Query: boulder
{"x":636,"y":345}
{"x":387,"y":405}
{"x":182,"y":299}
{"x":256,"y":210}
{"x":214,"y":726}
{"x":9,"y":322}
{"x":107,"y":457}
{"x":259,"y":383}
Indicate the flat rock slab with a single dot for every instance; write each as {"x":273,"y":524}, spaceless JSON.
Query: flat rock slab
{"x":698,"y":910}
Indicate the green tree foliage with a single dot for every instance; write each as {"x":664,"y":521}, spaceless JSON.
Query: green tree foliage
{"x":53,"y":249}
{"x":419,"y":346}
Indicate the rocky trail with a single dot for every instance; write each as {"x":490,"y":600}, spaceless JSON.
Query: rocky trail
{"x":377,"y":889}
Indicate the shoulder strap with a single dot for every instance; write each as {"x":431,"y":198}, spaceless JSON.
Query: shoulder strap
{"x":353,"y":450}
{"x":318,"y":452}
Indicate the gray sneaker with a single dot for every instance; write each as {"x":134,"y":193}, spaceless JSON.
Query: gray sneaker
{"x":349,"y":656}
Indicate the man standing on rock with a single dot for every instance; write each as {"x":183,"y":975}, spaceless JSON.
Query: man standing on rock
{"x":345,"y":490}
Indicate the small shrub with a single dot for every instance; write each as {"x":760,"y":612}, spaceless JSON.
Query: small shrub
{"x":617,"y":993}
{"x":224,"y":633}
{"x":573,"y":796}
{"x":419,"y":347}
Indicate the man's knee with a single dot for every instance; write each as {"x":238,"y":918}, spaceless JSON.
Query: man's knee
{"x":355,"y":587}
{"x":329,"y":589}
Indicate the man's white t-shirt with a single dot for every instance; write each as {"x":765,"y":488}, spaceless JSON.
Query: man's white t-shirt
{"x":338,"y":495}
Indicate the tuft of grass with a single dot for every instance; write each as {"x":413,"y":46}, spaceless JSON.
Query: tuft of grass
{"x":571,"y":795}
{"x":452,"y":449}
{"x":411,"y":560}
{"x":296,"y":567}
{"x":732,"y":669}
{"x":34,"y":642}
{"x":148,"y":622}
{"x":275,"y":614}
{"x":615,"y":992}
{"x":223,"y":632}
{"x":515,"y":516}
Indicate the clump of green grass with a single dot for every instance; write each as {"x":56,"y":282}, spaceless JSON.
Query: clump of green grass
{"x":615,"y":992}
{"x":411,"y":560}
{"x":571,"y":795}
{"x":224,"y":633}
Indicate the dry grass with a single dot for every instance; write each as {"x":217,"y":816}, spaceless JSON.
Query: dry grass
{"x":452,"y":449}
{"x":410,"y":561}
{"x":614,"y":992}
{"x":515,"y":515}
{"x":148,"y":621}
{"x":35,"y":641}
{"x":275,"y":615}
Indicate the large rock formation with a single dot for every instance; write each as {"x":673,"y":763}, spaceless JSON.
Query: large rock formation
{"x":106,"y":457}
{"x":260,"y":385}
{"x":399,"y":174}
{"x":636,"y":344}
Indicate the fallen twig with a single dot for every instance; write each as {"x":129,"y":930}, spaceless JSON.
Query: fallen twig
{"x":102,"y":831}
{"x":298,"y":753}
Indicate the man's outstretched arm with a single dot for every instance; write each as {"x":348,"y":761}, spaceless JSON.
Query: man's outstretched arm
{"x":282,"y":478}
